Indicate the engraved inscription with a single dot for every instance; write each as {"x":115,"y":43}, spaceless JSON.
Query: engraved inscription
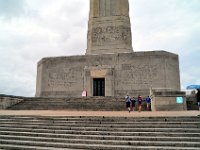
{"x":98,"y":73}
{"x":138,"y":76}
{"x":63,"y":80}
{"x":111,"y":35}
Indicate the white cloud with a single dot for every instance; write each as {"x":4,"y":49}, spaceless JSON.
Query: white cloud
{"x":10,"y":8}
{"x":164,"y":25}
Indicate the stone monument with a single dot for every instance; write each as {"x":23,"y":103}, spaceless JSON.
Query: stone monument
{"x":109,"y":28}
{"x":110,"y":67}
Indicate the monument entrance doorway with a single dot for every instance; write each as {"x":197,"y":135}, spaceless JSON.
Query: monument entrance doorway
{"x":99,"y":87}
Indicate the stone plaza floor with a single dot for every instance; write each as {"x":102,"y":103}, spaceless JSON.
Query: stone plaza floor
{"x":99,"y":113}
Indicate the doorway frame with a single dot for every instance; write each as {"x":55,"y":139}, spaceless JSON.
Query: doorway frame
{"x":106,"y":72}
{"x":99,"y":83}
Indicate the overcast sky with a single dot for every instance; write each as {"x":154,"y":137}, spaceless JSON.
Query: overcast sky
{"x":33,"y":29}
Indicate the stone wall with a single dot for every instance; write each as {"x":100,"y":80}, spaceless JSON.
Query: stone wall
{"x":167,"y":100}
{"x":133,"y":73}
{"x":9,"y":101}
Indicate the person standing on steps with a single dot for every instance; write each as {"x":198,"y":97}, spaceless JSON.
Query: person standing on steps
{"x":133,"y":101}
{"x":128,"y":102}
{"x":139,"y":103}
{"x":198,"y":98}
{"x":148,"y":102}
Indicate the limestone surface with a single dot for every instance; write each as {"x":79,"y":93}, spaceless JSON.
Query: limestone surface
{"x":133,"y":73}
{"x":109,"y":29}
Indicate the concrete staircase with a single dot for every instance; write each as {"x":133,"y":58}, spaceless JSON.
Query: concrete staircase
{"x":71,"y":103}
{"x":102,"y":133}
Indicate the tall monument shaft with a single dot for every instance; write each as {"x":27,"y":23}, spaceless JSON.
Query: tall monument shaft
{"x":109,"y":29}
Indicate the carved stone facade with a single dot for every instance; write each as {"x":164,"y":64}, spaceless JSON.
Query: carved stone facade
{"x":133,"y":73}
{"x":109,"y":29}
{"x":110,"y":35}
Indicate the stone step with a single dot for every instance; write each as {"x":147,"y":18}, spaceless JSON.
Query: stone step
{"x":99,"y":132}
{"x":94,"y":144}
{"x":7,"y":134}
{"x":106,"y":120}
{"x":114,"y":122}
{"x":88,"y":103}
{"x":110,"y":129}
{"x":110,"y":119}
{"x":29,"y":132}
{"x":103,"y":123}
{"x":96,"y":125}
{"x":67,"y":107}
{"x":22,"y":147}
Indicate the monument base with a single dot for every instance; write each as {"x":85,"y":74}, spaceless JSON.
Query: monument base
{"x":107,"y":74}
{"x":168,"y":100}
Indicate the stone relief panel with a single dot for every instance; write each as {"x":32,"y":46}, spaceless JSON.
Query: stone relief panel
{"x":65,"y":80}
{"x":139,"y":76}
{"x":110,"y":35}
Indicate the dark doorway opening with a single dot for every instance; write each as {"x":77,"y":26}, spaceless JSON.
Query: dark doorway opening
{"x":99,"y":87}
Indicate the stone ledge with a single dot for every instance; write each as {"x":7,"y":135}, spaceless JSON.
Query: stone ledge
{"x":7,"y":101}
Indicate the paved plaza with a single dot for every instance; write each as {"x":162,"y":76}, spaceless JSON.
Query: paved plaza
{"x":101,"y":113}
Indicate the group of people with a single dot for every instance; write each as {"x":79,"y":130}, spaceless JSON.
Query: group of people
{"x":131,"y":103}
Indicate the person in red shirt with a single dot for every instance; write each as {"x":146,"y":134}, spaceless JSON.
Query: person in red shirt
{"x":139,"y":103}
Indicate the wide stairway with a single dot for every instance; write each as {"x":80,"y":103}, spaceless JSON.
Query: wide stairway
{"x":71,"y":103}
{"x":102,"y":133}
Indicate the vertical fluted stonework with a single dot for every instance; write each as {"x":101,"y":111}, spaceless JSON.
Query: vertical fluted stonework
{"x":103,"y":8}
{"x":109,"y":29}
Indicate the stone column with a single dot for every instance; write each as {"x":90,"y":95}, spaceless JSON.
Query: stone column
{"x":109,"y":29}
